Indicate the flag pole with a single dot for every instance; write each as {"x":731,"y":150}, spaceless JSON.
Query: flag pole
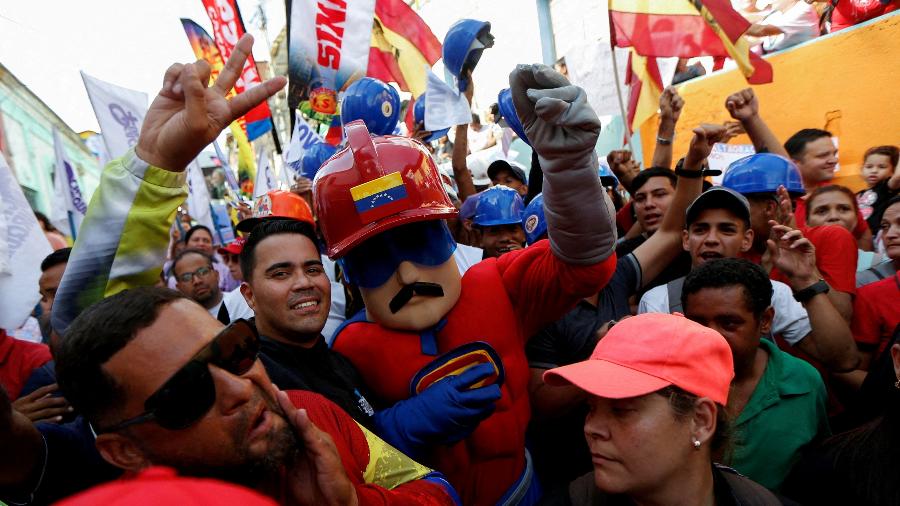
{"x":612,"y":52}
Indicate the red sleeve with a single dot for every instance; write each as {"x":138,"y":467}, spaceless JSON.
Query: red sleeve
{"x":625,"y":217}
{"x":865,"y":324}
{"x":355,"y":454}
{"x":18,"y":359}
{"x":543,"y":288}
{"x":836,"y":256}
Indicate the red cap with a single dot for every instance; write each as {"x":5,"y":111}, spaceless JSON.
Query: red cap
{"x":649,"y":352}
{"x":160,"y":485}
{"x":278,"y":204}
{"x":374,"y":185}
{"x":234,"y":247}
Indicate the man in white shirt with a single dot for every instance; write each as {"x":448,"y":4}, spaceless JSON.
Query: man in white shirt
{"x":480,"y":136}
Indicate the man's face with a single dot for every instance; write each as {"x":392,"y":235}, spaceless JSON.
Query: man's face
{"x":47,"y":284}
{"x":832,"y":208}
{"x":651,"y":202}
{"x":422,"y":311}
{"x":202,"y":241}
{"x":506,"y":178}
{"x":243,"y":432}
{"x":761,"y":211}
{"x":890,"y":229}
{"x":233,"y":262}
{"x":289,"y":291}
{"x":203,"y":286}
{"x":727,"y":311}
{"x":716,"y":233}
{"x":499,"y":239}
{"x":818,"y":161}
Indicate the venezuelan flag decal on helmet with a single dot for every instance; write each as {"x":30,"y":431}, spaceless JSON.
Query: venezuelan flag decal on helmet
{"x":457,"y":361}
{"x":380,"y":197}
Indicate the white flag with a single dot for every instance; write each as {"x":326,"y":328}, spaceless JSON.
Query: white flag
{"x":24,"y":247}
{"x":265,"y":178}
{"x":230,"y":178}
{"x":198,"y":196}
{"x":120,"y":112}
{"x":444,"y":107}
{"x":69,"y":207}
{"x":302,"y":139}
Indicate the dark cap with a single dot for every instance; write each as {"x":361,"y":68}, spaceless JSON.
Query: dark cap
{"x":719,"y":197}
{"x":498,"y":165}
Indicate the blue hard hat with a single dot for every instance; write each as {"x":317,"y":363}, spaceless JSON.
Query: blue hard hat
{"x":763,"y":173}
{"x":499,"y":205}
{"x":419,"y":117}
{"x":508,"y":112}
{"x":374,"y":102}
{"x":459,"y":55}
{"x":533,"y":221}
{"x":607,"y":178}
{"x":314,"y":157}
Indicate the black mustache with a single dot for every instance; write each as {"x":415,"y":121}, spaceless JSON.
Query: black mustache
{"x":417,"y":288}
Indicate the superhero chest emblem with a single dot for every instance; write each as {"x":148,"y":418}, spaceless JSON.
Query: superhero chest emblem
{"x":457,"y":361}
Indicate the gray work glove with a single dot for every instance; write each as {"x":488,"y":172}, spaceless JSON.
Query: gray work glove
{"x":563,"y":130}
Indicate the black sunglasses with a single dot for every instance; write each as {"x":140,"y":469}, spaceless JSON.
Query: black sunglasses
{"x":190,"y":393}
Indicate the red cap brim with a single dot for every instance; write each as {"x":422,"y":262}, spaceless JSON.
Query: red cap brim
{"x":605,"y":379}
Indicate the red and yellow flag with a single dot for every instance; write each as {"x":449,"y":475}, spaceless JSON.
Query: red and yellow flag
{"x":645,"y":84}
{"x":402,"y":46}
{"x":684,"y":29}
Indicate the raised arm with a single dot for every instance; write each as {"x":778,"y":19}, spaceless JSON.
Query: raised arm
{"x":670,"y":105}
{"x":744,"y":107}
{"x":464,"y":185}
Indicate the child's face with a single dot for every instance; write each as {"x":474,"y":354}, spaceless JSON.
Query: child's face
{"x":876,"y":169}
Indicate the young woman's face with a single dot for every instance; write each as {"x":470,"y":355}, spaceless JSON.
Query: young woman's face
{"x":832,"y":208}
{"x":876,"y":169}
{"x":636,"y":444}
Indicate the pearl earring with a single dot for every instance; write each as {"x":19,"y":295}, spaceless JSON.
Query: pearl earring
{"x":696,"y":444}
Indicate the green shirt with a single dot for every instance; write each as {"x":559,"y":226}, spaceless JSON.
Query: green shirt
{"x":785,"y":414}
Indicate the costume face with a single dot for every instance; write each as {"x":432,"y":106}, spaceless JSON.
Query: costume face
{"x":636,"y":444}
{"x":651,"y":202}
{"x":289,"y":291}
{"x":832,"y":208}
{"x":242,"y":431}
{"x":818,"y":161}
{"x":421,"y":311}
{"x":499,"y":239}
{"x":203,"y":285}
{"x":727,"y":311}
{"x":716,"y":233}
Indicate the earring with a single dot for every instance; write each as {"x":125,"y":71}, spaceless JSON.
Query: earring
{"x":897,"y":384}
{"x":696,"y":444}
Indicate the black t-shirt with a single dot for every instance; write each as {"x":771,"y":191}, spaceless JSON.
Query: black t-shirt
{"x":677,"y":268}
{"x":882,"y":194}
{"x":321,"y":370}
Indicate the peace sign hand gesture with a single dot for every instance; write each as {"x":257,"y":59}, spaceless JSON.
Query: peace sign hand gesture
{"x":187,"y":114}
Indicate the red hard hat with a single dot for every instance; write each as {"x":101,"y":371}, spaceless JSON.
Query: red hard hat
{"x":374,"y":185}
{"x":278,"y":204}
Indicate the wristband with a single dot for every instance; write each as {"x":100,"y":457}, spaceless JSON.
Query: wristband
{"x":811,"y":291}
{"x":695,"y":174}
{"x":664,"y":141}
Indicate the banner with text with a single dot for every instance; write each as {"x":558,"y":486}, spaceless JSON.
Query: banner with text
{"x":120,"y":113}
{"x":69,"y":207}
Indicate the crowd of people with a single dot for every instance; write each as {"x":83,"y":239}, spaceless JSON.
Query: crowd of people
{"x":574,"y":332}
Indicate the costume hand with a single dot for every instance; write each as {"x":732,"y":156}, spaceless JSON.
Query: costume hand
{"x":794,"y":255}
{"x":557,"y":118}
{"x":42,"y":406}
{"x":187,"y":115}
{"x":670,"y":105}
{"x":444,"y":413}
{"x":316,"y":475}
{"x":701,"y":144}
{"x":742,"y":105}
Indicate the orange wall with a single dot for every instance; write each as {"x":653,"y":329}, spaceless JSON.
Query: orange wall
{"x":847,"y":83}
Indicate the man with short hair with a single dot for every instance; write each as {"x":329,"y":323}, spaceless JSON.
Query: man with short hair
{"x":502,"y":172}
{"x":203,"y":404}
{"x":777,"y":401}
{"x":52,"y":269}
{"x":480,"y":136}
{"x":718,"y":226}
{"x":498,"y":216}
{"x":197,"y":279}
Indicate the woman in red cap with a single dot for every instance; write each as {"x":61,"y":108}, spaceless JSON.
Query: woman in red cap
{"x":657,"y":387}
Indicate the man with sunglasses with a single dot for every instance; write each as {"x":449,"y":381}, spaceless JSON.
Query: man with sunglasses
{"x":381,"y":209}
{"x":201,"y":402}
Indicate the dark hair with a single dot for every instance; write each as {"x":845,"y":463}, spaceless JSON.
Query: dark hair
{"x":892,"y":152}
{"x":475,"y":119}
{"x":796,"y":145}
{"x":495,"y":109}
{"x":186,"y":252}
{"x":98,"y":333}
{"x":267,"y":228}
{"x":645,"y":175}
{"x":45,"y":222}
{"x":195,"y":228}
{"x":59,"y":256}
{"x":830,"y":189}
{"x":893,"y":200}
{"x":683,"y":402}
{"x":726,"y":272}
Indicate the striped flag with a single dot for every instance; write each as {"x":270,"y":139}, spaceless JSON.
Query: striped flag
{"x":402,"y":46}
{"x":684,"y":29}
{"x":645,"y":84}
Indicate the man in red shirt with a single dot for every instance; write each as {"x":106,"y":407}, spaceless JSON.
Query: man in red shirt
{"x":17,"y":361}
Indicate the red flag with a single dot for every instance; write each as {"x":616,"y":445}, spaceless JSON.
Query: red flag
{"x":402,"y":45}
